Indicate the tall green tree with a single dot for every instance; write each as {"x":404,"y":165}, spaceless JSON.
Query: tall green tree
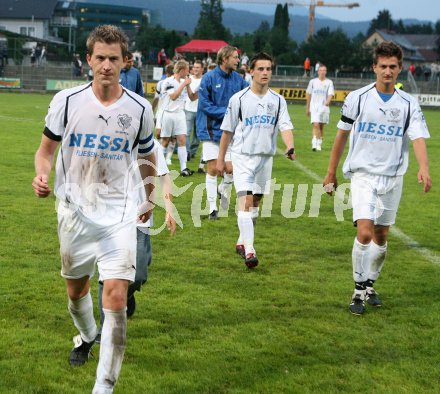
{"x":261,"y":38}
{"x":279,"y":37}
{"x":210,"y":25}
{"x":153,"y":38}
{"x":383,"y":21}
{"x":333,"y":48}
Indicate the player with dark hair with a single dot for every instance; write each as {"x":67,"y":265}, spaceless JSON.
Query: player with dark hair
{"x":252,"y":120}
{"x":380,"y":122}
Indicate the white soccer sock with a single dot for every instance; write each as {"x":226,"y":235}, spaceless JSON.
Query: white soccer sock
{"x":246,"y":227}
{"x":182,"y":154}
{"x":170,"y":150}
{"x":319,"y":141}
{"x":361,"y":261}
{"x":111,"y":352}
{"x":211,"y":191}
{"x":255,"y":211}
{"x":228,"y":179}
{"x":377,"y":258}
{"x":314,"y":142}
{"x":82,"y":314}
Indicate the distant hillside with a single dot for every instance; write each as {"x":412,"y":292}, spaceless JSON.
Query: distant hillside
{"x":183,"y":16}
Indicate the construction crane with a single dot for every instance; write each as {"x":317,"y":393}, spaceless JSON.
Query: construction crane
{"x":312,"y":7}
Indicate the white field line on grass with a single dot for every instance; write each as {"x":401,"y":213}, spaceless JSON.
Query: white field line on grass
{"x":395,"y":231}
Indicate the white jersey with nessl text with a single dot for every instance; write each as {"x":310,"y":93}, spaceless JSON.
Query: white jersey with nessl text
{"x":380,"y":131}
{"x":99,"y":146}
{"x":319,"y":91}
{"x":255,"y":121}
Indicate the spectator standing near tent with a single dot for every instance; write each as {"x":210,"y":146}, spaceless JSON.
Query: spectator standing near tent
{"x":162,"y":58}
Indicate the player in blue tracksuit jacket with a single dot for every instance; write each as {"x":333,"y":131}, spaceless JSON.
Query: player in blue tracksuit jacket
{"x":216,"y":88}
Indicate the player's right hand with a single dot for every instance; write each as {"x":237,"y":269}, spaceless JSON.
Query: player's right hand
{"x":41,"y":186}
{"x":220,"y":167}
{"x":330,"y":184}
{"x":171,"y":223}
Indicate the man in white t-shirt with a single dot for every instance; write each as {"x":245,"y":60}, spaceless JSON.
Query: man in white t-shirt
{"x":174,"y":91}
{"x":102,"y":129}
{"x":319,"y":94}
{"x":252,"y":120}
{"x":380,"y":122}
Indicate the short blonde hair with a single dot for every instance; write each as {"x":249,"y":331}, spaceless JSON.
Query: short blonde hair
{"x":180,"y":64}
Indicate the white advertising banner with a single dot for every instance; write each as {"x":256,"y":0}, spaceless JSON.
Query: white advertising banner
{"x":432,"y":100}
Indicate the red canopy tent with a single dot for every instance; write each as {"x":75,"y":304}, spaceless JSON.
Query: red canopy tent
{"x":205,"y":46}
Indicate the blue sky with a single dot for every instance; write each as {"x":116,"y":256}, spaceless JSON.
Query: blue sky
{"x":428,"y":10}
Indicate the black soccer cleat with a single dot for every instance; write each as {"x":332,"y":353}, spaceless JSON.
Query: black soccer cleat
{"x":251,"y":260}
{"x":373,"y":298}
{"x":213,"y":215}
{"x":357,"y":306}
{"x":186,"y":172}
{"x":81,"y":352}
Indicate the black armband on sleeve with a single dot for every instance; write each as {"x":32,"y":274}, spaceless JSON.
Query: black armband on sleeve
{"x":51,"y":135}
{"x":347,"y":120}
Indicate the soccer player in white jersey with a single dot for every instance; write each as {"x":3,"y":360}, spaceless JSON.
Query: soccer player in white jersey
{"x":252,"y":120}
{"x":380,"y":122}
{"x":175,"y":89}
{"x":319,"y":94}
{"x":158,"y":110}
{"x":102,"y":129}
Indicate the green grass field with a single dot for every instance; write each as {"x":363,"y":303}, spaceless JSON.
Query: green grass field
{"x":205,"y":323}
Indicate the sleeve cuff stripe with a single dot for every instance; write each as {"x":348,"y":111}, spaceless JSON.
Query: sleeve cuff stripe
{"x":51,"y":135}
{"x":146,"y":140}
{"x":347,"y":120}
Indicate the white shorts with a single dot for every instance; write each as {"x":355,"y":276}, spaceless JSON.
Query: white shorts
{"x":83,"y":244}
{"x":376,"y":197}
{"x":252,"y":173}
{"x":173,"y":123}
{"x":321,"y":116}
{"x":211,"y":149}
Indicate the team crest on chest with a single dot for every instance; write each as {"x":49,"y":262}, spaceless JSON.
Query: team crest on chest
{"x":392,"y":114}
{"x":124,"y":121}
{"x":270,"y":108}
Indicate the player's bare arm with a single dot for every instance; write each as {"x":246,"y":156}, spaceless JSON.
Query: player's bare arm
{"x":421,"y":154}
{"x":192,"y":95}
{"x":43,"y":165}
{"x":178,"y":92}
{"x":308,"y":104}
{"x":224,"y":143}
{"x":165,"y":181}
{"x":328,"y":101}
{"x":147,"y":168}
{"x":330,"y":182}
{"x":287,"y":137}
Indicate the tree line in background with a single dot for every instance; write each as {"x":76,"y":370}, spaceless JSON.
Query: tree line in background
{"x":334,"y":48}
